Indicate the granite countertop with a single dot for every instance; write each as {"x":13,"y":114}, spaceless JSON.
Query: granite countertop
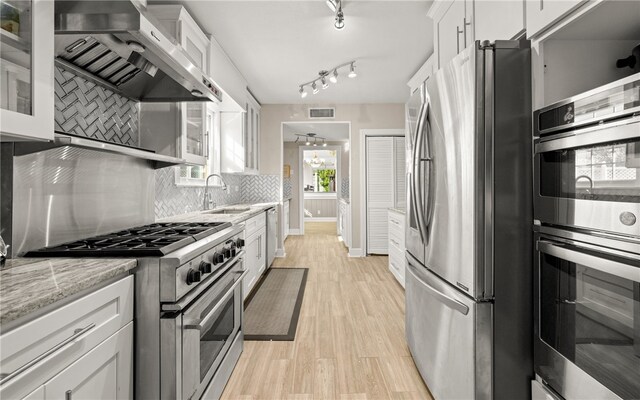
{"x":28,"y":284}
{"x":398,"y":210}
{"x":204,"y":216}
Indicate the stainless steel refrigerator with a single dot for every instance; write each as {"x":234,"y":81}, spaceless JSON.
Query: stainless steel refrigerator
{"x":469,"y":241}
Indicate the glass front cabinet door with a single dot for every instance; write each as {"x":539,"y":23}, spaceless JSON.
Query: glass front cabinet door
{"x":26,"y":70}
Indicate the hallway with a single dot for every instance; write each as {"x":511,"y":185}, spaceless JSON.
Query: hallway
{"x":350,"y":339}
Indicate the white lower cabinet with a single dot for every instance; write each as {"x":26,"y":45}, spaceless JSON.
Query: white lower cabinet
{"x":397,"y":260}
{"x":85,"y":347}
{"x":255,"y":258}
{"x":103,"y":373}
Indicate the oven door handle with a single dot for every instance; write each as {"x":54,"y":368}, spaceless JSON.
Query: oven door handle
{"x":199,"y":324}
{"x":612,"y":267}
{"x":614,"y":132}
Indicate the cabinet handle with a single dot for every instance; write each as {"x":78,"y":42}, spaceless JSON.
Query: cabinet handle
{"x":458,"y":38}
{"x":465,"y":30}
{"x":76,"y":335}
{"x":206,"y":144}
{"x":67,"y":395}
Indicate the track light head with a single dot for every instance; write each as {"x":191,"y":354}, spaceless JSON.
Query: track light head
{"x":352,"y":71}
{"x":339,"y":24}
{"x":303,"y":93}
{"x":308,"y":143}
{"x":334,"y":77}
{"x":325,"y":84}
{"x":324,"y":144}
{"x":315,"y":88}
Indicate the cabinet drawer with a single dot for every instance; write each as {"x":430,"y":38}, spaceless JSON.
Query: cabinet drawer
{"x":396,"y":229}
{"x":60,"y":337}
{"x":253,"y":224}
{"x":397,"y":262}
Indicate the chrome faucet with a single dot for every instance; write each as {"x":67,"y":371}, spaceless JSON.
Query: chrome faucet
{"x":208,"y":200}
{"x":587,"y":178}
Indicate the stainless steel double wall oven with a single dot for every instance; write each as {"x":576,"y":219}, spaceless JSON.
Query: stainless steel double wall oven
{"x":587,"y":259}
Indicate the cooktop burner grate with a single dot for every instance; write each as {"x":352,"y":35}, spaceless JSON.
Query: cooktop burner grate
{"x":153,"y":240}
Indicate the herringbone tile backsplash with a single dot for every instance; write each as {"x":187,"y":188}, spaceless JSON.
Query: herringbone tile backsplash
{"x":344,"y":188}
{"x":86,"y":109}
{"x":175,"y":200}
{"x":287,"y":188}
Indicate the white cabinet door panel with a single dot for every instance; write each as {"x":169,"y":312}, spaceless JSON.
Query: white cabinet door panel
{"x":498,"y":20}
{"x":103,"y":373}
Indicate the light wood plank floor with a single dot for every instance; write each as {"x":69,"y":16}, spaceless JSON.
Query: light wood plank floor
{"x":350,"y":340}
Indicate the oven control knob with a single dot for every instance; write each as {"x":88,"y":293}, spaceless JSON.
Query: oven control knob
{"x":227,"y":253}
{"x":205,"y":267}
{"x":193,"y":276}
{"x":240,"y":243}
{"x":218,"y":258}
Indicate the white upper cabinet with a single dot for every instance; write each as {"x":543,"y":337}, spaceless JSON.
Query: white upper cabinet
{"x":184,"y":28}
{"x":194,"y":137}
{"x":224,"y":72}
{"x":232,"y":142}
{"x":451,"y":29}
{"x":252,"y":135}
{"x":544,"y":13}
{"x":26,"y":70}
{"x":498,"y":20}
{"x":457,"y":23}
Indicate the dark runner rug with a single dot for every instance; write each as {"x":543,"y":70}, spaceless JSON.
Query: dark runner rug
{"x":273,"y":309}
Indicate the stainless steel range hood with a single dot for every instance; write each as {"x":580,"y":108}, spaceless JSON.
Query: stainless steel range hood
{"x":121,"y":46}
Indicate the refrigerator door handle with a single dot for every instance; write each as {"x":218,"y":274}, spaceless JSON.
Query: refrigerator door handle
{"x":445,"y":299}
{"x":415,"y":180}
{"x":428,"y":159}
{"x":417,"y":177}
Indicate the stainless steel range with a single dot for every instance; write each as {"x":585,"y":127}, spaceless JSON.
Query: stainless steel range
{"x":188,"y":303}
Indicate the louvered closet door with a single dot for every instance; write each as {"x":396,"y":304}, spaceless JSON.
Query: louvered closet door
{"x":380,"y":192}
{"x":400,"y":172}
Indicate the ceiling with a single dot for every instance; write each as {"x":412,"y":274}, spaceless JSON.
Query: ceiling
{"x":277,"y":45}
{"x":331,"y":131}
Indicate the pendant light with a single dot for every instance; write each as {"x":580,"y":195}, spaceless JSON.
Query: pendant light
{"x":352,"y":71}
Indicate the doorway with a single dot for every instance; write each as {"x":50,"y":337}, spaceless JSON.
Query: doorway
{"x":316,"y":172}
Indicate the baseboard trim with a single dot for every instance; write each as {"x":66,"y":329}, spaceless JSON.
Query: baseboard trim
{"x":280,"y":253}
{"x":294,"y":232}
{"x":353,"y":252}
{"x":320,"y":219}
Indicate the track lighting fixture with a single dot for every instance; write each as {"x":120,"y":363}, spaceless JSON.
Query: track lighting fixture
{"x":311,"y":139}
{"x":324,"y":77}
{"x":352,"y":71}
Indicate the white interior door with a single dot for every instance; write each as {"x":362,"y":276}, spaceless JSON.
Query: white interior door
{"x":380,"y":191}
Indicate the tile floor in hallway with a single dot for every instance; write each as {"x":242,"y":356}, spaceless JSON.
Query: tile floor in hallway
{"x":350,"y":341}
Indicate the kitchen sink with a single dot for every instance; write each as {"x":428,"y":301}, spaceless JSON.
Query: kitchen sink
{"x":228,"y":211}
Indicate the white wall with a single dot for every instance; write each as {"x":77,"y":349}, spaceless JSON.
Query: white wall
{"x":361,"y":116}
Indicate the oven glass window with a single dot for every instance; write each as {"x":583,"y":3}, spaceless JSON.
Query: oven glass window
{"x":609,"y":172}
{"x":214,"y":336}
{"x":593,"y":319}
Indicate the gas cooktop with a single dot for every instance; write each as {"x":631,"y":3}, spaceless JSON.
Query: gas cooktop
{"x":154,"y":240}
